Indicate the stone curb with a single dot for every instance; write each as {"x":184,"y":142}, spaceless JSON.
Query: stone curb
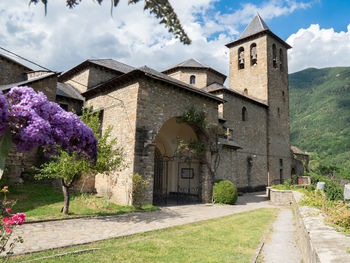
{"x":262,"y":243}
{"x":85,"y":217}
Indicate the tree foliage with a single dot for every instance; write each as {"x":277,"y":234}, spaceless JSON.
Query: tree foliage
{"x":320,"y":115}
{"x":162,"y":10}
{"x":68,"y":167}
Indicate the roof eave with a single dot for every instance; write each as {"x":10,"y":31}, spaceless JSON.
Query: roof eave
{"x":128,"y":76}
{"x":241,"y":40}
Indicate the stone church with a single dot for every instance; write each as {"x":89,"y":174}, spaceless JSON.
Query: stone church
{"x":144,"y":106}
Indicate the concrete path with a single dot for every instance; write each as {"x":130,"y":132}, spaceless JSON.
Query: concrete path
{"x":48,"y":235}
{"x":281,"y":245}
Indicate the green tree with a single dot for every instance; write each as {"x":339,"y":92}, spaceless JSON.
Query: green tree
{"x":69,"y":167}
{"x":162,"y":9}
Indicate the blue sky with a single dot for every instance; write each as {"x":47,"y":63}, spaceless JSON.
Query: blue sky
{"x":64,"y":38}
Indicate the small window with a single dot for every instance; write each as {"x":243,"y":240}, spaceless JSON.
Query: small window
{"x":241,"y":58}
{"x":279,"y":112}
{"x":274,"y":56}
{"x":253,"y":55}
{"x":281,"y":59}
{"x":244,"y":114}
{"x":245,"y":92}
{"x":281,"y":162}
{"x":193,"y":79}
{"x":282,"y":93}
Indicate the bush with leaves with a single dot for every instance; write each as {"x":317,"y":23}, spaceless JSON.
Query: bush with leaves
{"x":225,"y":192}
{"x":332,"y":190}
{"x":139,"y":189}
{"x":9,"y":223}
{"x":69,"y":167}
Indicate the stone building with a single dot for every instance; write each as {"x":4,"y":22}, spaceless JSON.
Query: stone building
{"x":144,"y":107}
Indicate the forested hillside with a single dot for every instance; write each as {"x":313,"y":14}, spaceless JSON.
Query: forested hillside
{"x":320,"y":114}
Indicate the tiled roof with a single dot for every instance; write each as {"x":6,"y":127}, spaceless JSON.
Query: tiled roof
{"x":296,"y":150}
{"x":219,"y":87}
{"x":256,"y":25}
{"x":151,"y":73}
{"x":112,"y":64}
{"x":193,"y":63}
{"x":15,"y":62}
{"x":24,"y":83}
{"x":66,"y":90}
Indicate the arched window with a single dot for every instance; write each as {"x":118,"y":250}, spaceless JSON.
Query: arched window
{"x":241,"y":58}
{"x":253,"y":55}
{"x":281,"y":59}
{"x":274,"y":56}
{"x":244,"y":114}
{"x":245,"y":92}
{"x":193,"y":79}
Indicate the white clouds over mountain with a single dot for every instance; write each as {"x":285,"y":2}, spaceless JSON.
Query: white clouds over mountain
{"x":317,"y":47}
{"x":66,"y":37}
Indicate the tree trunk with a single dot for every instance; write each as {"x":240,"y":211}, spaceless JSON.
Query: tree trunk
{"x":65,"y":208}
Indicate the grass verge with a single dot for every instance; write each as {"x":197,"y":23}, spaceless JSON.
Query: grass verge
{"x":232,"y":238}
{"x":41,"y":202}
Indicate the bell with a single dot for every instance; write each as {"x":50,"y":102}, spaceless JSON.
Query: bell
{"x":254,"y":56}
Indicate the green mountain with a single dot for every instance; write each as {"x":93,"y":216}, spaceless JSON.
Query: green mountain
{"x":320,"y":114}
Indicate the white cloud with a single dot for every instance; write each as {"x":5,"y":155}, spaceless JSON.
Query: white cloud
{"x":317,"y":47}
{"x":66,"y":37}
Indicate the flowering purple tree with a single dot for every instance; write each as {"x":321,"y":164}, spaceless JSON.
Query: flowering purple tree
{"x":29,"y":120}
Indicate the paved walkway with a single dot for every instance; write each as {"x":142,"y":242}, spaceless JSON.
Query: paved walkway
{"x":48,"y":235}
{"x":281,"y":245}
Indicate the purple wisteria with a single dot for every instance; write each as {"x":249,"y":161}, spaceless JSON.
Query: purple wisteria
{"x":3,"y":114}
{"x":35,"y":121}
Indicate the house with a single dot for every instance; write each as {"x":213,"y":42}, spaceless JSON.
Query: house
{"x":144,"y":107}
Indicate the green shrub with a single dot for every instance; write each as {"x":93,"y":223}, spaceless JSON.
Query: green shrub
{"x":332,"y":190}
{"x":139,"y":190}
{"x":225,"y":192}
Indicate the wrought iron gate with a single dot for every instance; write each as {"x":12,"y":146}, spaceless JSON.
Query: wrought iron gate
{"x":176,"y":180}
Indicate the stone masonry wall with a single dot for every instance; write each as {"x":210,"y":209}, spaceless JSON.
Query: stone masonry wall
{"x":11,"y":72}
{"x":278,"y":96}
{"x":253,"y":77}
{"x":184,"y":75}
{"x":90,"y":77}
{"x":47,"y":86}
{"x":158,"y":103}
{"x":251,"y":136}
{"x":119,"y":111}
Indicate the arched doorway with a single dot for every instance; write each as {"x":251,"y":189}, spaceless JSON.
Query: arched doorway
{"x":176,"y":177}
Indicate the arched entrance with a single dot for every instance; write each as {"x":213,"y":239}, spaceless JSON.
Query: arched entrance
{"x":176,"y":176}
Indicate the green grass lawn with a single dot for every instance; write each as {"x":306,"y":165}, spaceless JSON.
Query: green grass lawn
{"x":45,"y":202}
{"x":227,"y":239}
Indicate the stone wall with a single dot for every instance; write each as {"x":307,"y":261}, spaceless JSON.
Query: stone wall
{"x":11,"y":72}
{"x":47,"y":86}
{"x":89,"y":77}
{"x":71,"y":104}
{"x":204,"y":77}
{"x":184,"y":75}
{"x":253,"y":78}
{"x":247,"y":167}
{"x":278,"y":122}
{"x":157,"y":103}
{"x":119,"y":106}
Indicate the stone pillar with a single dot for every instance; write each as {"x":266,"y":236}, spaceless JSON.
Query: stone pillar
{"x":206,"y":179}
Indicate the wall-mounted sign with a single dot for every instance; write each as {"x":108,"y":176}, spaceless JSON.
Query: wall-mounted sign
{"x":187,"y":173}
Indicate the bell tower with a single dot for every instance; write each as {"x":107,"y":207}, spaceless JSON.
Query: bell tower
{"x":259,"y":70}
